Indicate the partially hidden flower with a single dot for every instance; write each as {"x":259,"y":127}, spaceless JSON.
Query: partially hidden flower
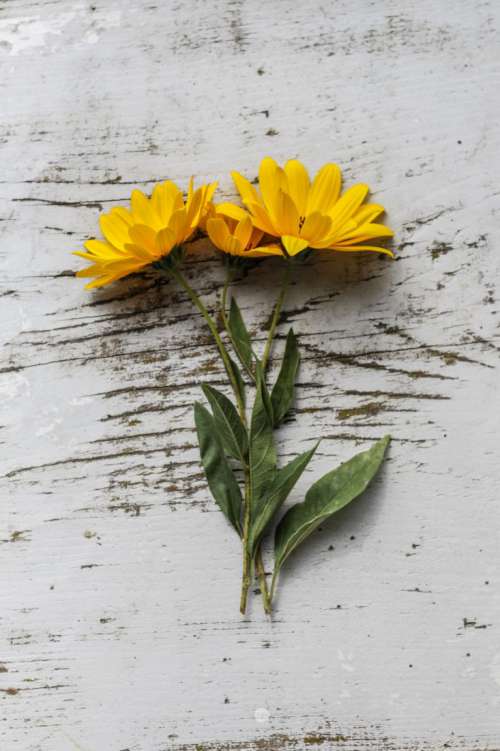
{"x":145,"y":233}
{"x":305,"y":213}
{"x":237,"y":235}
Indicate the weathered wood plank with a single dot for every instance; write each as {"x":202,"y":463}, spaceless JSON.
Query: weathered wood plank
{"x":118,"y":607}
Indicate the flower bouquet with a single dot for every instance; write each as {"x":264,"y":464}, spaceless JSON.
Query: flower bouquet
{"x":290,"y":216}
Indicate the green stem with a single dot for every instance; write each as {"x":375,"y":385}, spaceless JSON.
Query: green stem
{"x":247,"y":560}
{"x":225,"y":322}
{"x":259,"y":566}
{"x":274,"y":581}
{"x":180,"y":278}
{"x":223,"y":308}
{"x":246,"y":578}
{"x":276,"y":315}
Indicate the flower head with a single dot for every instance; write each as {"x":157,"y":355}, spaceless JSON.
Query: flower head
{"x":309,"y":214}
{"x":148,"y":231}
{"x":238,"y":236}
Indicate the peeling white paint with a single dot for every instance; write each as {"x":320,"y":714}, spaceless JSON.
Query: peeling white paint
{"x":131,"y":638}
{"x":31,"y":32}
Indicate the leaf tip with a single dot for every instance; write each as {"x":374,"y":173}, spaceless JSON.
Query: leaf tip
{"x":205,"y":388}
{"x":199,"y":410}
{"x":384,"y":443}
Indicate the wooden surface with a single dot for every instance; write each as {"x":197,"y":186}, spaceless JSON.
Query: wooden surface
{"x":118,"y":606}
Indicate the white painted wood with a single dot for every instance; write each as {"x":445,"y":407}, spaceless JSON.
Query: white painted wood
{"x":118,"y":617}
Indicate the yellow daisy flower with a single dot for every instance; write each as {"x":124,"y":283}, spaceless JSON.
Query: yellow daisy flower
{"x":145,"y":233}
{"x":238,"y":237}
{"x":309,"y":214}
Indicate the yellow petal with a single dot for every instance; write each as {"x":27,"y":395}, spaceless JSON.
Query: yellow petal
{"x":179,"y":225}
{"x":270,"y":182}
{"x":368,"y":213}
{"x":211,"y":188}
{"x":94,"y":270}
{"x":256,"y":237}
{"x":117,"y":267}
{"x":144,"y":237}
{"x":114,"y":230}
{"x":233,"y":246}
{"x":139,"y":254}
{"x":261,"y":219}
{"x":123,"y":213}
{"x":127,"y":267}
{"x":316,"y":227}
{"x":325,"y":189}
{"x":190,"y":189}
{"x":166,"y":199}
{"x":143,"y":211}
{"x":298,"y":184}
{"x":165,"y":241}
{"x":347,"y":205}
{"x":365,"y":232}
{"x":243,"y":231}
{"x":286,"y":216}
{"x":108,"y":278}
{"x":264,"y":250}
{"x":195,"y":207}
{"x":218,"y":232}
{"x":360,"y":248}
{"x":245,"y":188}
{"x":230,"y":210}
{"x":294,"y":245}
{"x":102,"y":249}
{"x":87,"y":256}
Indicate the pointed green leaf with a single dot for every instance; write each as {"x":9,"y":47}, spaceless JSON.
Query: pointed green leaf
{"x":329,"y":494}
{"x":278,"y":491}
{"x":262,"y":452}
{"x":220,"y":477}
{"x":283,"y":391}
{"x":228,"y":424}
{"x":240,"y":336}
{"x":238,"y":379}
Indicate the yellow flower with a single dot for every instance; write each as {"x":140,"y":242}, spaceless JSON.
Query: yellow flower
{"x":146,"y":232}
{"x":238,"y":236}
{"x":309,"y":214}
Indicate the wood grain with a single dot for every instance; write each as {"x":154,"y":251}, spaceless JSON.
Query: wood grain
{"x":118,"y":615}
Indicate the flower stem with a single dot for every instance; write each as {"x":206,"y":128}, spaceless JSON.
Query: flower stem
{"x":180,"y":278}
{"x":223,"y":306}
{"x":247,"y":558}
{"x":274,"y":581}
{"x":247,"y":561}
{"x":259,"y":566}
{"x":276,"y":315}
{"x":225,"y":321}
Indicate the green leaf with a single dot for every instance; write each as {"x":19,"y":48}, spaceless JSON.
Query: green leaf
{"x":283,"y":391}
{"x":329,"y":494}
{"x":240,"y":336}
{"x":238,"y":379}
{"x":278,"y":491}
{"x":262,"y":452}
{"x":220,"y":477}
{"x":228,"y":424}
